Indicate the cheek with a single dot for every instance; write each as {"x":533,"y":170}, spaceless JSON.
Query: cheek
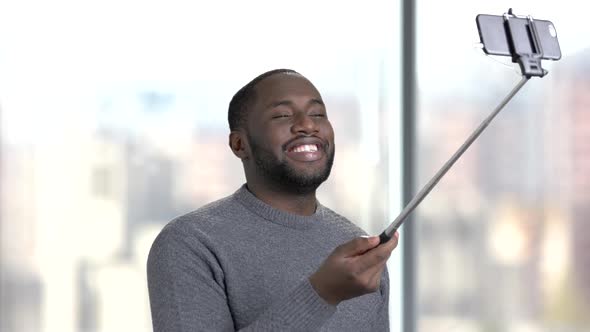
{"x":270,"y":139}
{"x":278,"y":135}
{"x":329,"y":132}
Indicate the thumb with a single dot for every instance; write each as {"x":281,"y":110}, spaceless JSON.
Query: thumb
{"x":357,"y":246}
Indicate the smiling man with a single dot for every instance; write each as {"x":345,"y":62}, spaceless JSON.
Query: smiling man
{"x":270,"y":257}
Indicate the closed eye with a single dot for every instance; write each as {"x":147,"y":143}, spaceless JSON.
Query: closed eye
{"x":318,"y":115}
{"x":278,"y":116}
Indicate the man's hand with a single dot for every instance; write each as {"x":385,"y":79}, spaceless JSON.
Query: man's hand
{"x":352,"y":269}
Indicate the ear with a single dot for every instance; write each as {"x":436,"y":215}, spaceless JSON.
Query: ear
{"x":238,"y":143}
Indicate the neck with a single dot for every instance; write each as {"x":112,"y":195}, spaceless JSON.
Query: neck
{"x":304,"y":204}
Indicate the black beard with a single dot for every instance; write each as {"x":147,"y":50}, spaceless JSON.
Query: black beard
{"x":284,"y":175}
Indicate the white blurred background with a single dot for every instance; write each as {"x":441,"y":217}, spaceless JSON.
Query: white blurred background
{"x":113,"y":122}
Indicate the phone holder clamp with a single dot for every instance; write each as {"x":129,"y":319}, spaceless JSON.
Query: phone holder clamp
{"x":529,"y":60}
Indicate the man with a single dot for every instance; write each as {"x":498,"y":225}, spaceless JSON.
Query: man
{"x":270,"y":257}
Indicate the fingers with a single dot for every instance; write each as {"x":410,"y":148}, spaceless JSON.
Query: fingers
{"x":380,"y":254}
{"x":374,"y":262}
{"x":376,"y":280}
{"x":357,"y":246}
{"x":370,"y":279}
{"x":392,"y":244}
{"x":353,"y":269}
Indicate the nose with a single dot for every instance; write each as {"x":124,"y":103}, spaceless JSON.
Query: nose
{"x":303,"y":123}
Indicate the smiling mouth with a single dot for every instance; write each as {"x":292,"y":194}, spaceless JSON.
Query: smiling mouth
{"x":305,"y":148}
{"x":306,"y":152}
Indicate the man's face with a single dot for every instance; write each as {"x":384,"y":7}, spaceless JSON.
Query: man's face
{"x":291,"y":139}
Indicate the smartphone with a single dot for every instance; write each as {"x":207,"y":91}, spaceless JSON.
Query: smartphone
{"x":494,"y":34}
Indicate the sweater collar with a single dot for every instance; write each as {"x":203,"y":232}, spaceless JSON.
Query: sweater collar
{"x":266,"y":211}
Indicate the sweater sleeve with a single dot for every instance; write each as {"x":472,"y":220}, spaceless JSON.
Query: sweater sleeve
{"x":187,"y":293}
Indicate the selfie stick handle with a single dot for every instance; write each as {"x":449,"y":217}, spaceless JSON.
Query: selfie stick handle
{"x":389,"y":231}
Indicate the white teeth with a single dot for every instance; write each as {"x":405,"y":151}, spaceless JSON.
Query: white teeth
{"x":306,"y":148}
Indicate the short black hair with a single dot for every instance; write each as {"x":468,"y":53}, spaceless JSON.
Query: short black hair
{"x":238,"y":106}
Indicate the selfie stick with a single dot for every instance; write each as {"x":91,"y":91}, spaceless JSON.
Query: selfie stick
{"x":530,"y":65}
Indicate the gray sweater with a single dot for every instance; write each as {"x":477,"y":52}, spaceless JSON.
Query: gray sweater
{"x":240,"y":264}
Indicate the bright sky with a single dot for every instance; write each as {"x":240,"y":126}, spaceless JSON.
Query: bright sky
{"x":55,"y":55}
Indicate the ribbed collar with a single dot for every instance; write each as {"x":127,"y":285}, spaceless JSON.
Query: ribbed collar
{"x":260,"y":208}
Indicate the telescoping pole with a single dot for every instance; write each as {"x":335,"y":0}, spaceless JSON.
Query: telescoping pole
{"x":390,"y":230}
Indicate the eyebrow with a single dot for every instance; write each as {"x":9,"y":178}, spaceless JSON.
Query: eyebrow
{"x":312,"y":101}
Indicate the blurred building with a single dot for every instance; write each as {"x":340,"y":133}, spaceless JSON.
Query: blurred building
{"x":20,"y":280}
{"x":570,"y":174}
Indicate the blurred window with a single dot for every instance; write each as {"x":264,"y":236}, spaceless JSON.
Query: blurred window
{"x":502,"y":242}
{"x":114,"y":121}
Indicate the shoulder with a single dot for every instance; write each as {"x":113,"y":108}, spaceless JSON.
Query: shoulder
{"x":186,"y":246}
{"x":202,"y":224}
{"x":334,"y":219}
{"x":210,"y":217}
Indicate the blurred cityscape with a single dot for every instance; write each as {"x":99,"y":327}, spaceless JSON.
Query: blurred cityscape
{"x":97,"y":171}
{"x":502,"y":242}
{"x":79,"y":218}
